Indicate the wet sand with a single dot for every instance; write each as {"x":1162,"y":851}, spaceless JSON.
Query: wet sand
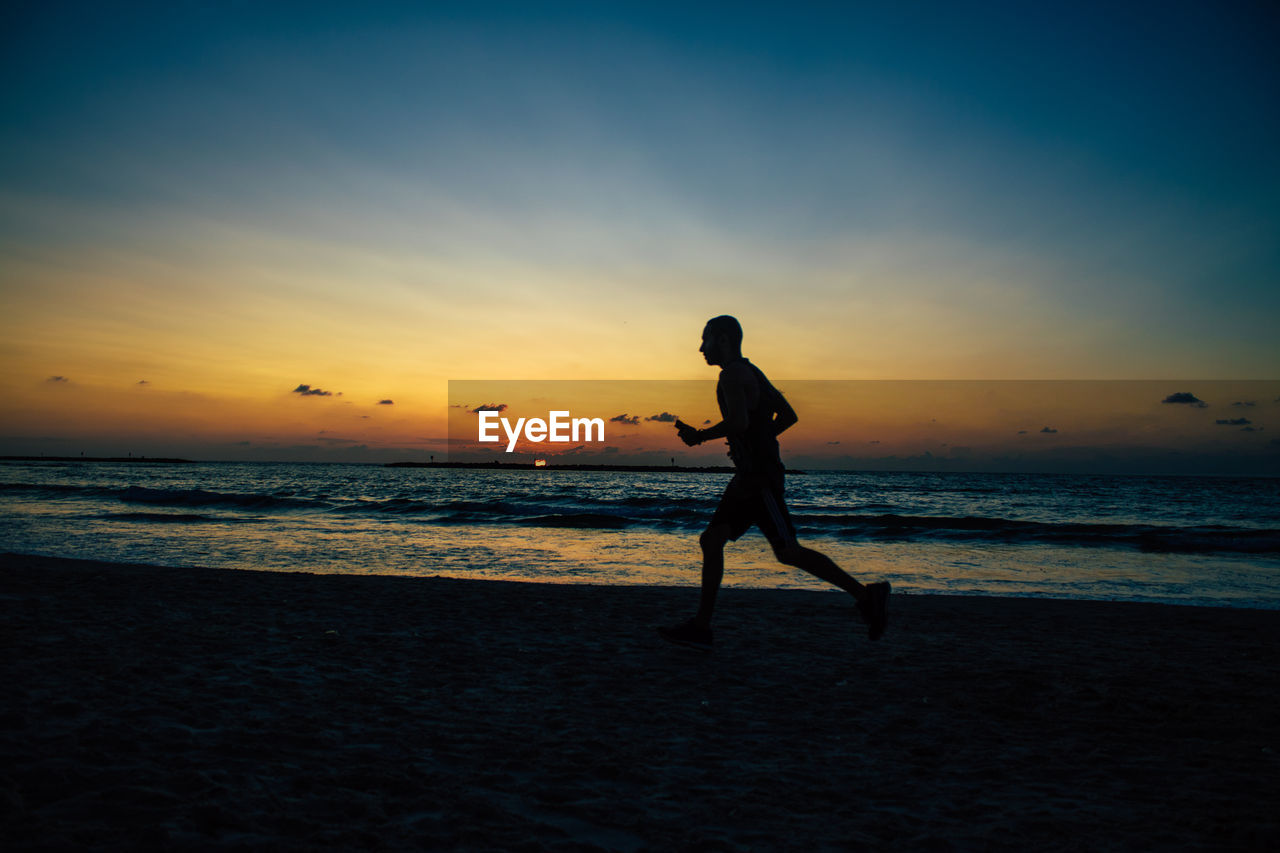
{"x":209,"y":709}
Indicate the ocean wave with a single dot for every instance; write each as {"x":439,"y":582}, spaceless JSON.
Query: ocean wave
{"x":658,"y":501}
{"x":200,"y":497}
{"x":157,"y":517}
{"x":55,"y":490}
{"x":691,"y":513}
{"x":579,"y":519}
{"x":1145,"y":537}
{"x":1205,"y":517}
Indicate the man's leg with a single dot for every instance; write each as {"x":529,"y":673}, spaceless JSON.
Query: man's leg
{"x":873,"y":599}
{"x":696,"y":632}
{"x":712,"y":541}
{"x":820,"y":566}
{"x":775,"y":521}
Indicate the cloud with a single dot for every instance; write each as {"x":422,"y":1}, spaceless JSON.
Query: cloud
{"x":874,"y":441}
{"x":488,"y":407}
{"x":623,"y":418}
{"x":1049,"y":430}
{"x":308,"y":391}
{"x":1244,"y":404}
{"x":1022,"y":432}
{"x":1233,"y":422}
{"x":664,"y":418}
{"x":386,"y":402}
{"x":142,"y":382}
{"x":707,"y":421}
{"x":1186,"y":398}
{"x":1252,"y":429}
{"x":833,"y":442}
{"x":57,"y":380}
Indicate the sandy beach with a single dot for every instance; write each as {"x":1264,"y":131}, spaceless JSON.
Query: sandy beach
{"x":198,"y":709}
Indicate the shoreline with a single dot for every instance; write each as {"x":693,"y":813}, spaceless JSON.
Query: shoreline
{"x":738,"y":577}
{"x":211,"y":708}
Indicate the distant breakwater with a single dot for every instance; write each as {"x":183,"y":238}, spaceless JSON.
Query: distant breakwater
{"x":529,"y":466}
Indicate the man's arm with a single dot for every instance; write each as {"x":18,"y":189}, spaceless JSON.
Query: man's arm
{"x":733,"y":393}
{"x":693,"y":436}
{"x":784,"y":417}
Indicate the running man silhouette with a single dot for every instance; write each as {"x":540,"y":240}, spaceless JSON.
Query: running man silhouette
{"x":753,"y":414}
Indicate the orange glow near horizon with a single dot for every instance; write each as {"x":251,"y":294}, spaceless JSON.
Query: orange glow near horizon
{"x":852,"y":422}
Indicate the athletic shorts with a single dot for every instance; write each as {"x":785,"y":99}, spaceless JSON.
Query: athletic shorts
{"x":754,"y":499}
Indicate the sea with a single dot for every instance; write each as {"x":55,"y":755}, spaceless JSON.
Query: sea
{"x":1189,"y":540}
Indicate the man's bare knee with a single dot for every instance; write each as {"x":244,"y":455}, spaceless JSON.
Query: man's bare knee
{"x":790,"y":554}
{"x":714,"y":536}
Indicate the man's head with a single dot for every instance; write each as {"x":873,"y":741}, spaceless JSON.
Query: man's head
{"x":721,"y":340}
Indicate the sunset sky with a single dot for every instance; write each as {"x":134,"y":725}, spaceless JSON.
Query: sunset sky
{"x":276,"y":231}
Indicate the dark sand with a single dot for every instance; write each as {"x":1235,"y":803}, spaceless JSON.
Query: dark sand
{"x":153,"y":707}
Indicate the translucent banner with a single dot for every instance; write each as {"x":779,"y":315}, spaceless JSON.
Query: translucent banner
{"x":1149,"y":426}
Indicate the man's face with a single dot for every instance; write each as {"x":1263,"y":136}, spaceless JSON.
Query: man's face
{"x":712,"y":348}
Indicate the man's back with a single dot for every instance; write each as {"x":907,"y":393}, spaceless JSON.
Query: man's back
{"x":753,"y":448}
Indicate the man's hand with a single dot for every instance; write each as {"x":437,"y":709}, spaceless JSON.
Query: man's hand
{"x":688,"y":434}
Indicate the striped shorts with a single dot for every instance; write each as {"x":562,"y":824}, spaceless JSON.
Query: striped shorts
{"x":754,"y":499}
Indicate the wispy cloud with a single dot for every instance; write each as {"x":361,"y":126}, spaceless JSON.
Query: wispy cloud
{"x":386,"y":402}
{"x":308,"y":391}
{"x":624,"y":418}
{"x":1048,"y":430}
{"x":1233,"y":422}
{"x":57,"y":380}
{"x":488,"y":407}
{"x":664,"y":418}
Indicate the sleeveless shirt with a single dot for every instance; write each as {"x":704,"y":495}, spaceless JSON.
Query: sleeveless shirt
{"x":755,"y":450}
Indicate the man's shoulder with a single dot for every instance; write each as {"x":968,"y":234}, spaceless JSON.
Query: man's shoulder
{"x":745,"y":373}
{"x":739,"y":371}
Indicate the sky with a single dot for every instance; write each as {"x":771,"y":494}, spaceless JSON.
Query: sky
{"x":261,"y":230}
